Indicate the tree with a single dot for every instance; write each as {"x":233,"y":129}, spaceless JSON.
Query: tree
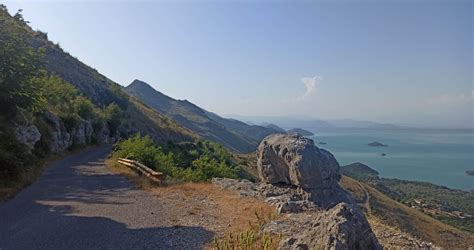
{"x":84,"y":107}
{"x":113,"y":116}
{"x":20,"y":65}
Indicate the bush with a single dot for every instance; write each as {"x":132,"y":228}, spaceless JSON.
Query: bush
{"x":198,"y":162}
{"x":113,"y":116}
{"x":138,"y":148}
{"x":14,"y":156}
{"x":84,"y":107}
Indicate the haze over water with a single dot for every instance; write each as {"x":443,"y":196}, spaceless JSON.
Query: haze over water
{"x":433,"y":155}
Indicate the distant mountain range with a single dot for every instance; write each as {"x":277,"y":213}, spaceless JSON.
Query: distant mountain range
{"x":312,"y":124}
{"x":232,"y":133}
{"x":239,"y":136}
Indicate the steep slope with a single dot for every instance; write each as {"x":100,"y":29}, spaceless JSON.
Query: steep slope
{"x":395,"y":214}
{"x":234,"y":134}
{"x":103,"y":91}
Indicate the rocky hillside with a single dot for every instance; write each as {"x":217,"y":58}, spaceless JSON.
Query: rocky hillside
{"x":51,"y":102}
{"x":234,"y":134}
{"x":101,"y":90}
{"x":302,"y":182}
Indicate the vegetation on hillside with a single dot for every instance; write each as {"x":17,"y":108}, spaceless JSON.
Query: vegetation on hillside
{"x":454,"y":207}
{"x":194,"y":162}
{"x":393,"y":213}
{"x":38,"y":78}
{"x":28,"y":96}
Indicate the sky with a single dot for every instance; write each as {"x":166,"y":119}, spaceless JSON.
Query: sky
{"x":403,"y":62}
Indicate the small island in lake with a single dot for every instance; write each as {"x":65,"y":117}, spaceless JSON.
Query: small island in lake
{"x":377,"y":144}
{"x":470,"y":172}
{"x":301,"y":131}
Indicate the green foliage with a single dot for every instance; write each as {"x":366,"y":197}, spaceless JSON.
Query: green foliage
{"x":432,"y":196}
{"x":113,"y":116}
{"x":14,"y":156}
{"x":84,"y":107}
{"x":201,"y":163}
{"x":19,"y":67}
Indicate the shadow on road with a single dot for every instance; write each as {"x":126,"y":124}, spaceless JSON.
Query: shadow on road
{"x":79,"y":204}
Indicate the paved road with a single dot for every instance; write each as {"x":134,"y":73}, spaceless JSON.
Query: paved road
{"x":79,"y":204}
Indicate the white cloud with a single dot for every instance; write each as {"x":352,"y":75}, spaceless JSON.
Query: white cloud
{"x":310,"y":85}
{"x":451,"y":99}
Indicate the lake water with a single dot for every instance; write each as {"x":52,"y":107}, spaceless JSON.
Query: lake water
{"x":436,"y":156}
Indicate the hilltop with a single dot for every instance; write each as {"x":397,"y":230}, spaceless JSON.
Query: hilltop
{"x":301,"y":131}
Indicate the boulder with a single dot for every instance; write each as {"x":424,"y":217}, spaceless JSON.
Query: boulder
{"x":302,"y":181}
{"x":294,"y":160}
{"x":28,"y":135}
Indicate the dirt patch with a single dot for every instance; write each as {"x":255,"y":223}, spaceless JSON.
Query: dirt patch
{"x":224,"y":212}
{"x":206,"y":205}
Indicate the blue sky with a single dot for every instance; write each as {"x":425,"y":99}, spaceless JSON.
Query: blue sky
{"x":404,"y":62}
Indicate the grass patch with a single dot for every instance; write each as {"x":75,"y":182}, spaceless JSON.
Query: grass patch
{"x":252,"y":237}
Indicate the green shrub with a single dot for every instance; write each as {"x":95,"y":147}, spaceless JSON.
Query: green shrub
{"x":84,"y":107}
{"x":14,"y":156}
{"x":186,"y":162}
{"x":113,"y":116}
{"x":138,"y":148}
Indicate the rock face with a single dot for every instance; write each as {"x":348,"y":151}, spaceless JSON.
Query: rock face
{"x":342,"y":227}
{"x":83,"y":133}
{"x":28,"y":135}
{"x":59,"y":138}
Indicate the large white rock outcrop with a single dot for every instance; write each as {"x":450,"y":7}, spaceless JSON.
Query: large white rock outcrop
{"x":295,"y":160}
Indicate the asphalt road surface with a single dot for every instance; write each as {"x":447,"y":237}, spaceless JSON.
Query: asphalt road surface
{"x":79,"y":204}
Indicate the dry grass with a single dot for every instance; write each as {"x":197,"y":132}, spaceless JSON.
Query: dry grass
{"x":235,"y":220}
{"x":221,"y":211}
{"x":234,"y":211}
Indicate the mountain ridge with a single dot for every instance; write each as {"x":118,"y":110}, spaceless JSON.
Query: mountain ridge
{"x":232,"y":133}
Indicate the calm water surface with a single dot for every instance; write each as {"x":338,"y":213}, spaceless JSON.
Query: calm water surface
{"x":437,"y":156}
